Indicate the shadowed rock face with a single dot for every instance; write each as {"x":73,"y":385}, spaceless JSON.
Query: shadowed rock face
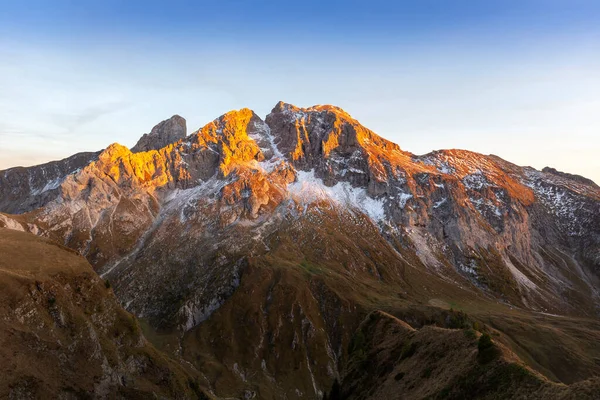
{"x":573,"y":177}
{"x":167,"y":132}
{"x":261,"y":228}
{"x":23,"y":189}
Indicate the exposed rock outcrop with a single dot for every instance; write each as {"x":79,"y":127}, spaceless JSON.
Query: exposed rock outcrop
{"x":166,"y":132}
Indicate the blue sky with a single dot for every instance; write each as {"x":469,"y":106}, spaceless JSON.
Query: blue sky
{"x":519,"y":79}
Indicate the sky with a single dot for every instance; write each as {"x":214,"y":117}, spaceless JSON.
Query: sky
{"x":519,"y":79}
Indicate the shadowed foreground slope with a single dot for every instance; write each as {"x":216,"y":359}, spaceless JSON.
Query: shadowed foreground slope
{"x":391,"y":360}
{"x":64,"y":335}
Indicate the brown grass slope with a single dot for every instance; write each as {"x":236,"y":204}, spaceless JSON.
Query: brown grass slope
{"x":391,"y":360}
{"x":64,"y":335}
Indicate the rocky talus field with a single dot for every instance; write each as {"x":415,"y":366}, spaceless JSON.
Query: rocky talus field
{"x":299,"y":256}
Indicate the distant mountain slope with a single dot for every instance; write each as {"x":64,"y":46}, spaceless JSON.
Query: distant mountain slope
{"x":24,"y":189}
{"x":250,"y":237}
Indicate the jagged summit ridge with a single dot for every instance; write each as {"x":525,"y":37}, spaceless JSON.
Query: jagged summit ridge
{"x":248,"y":170}
{"x":282,"y":106}
{"x":299,"y":223}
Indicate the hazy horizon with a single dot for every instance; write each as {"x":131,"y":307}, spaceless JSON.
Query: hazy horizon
{"x":514,"y":79}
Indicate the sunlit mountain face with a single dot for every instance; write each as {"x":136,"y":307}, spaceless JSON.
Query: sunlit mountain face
{"x":517,"y":79}
{"x":428,"y":229}
{"x":304,"y":256}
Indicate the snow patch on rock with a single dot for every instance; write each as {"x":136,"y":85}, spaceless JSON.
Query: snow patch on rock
{"x":50,"y":185}
{"x":266,"y":142}
{"x":471,"y":268}
{"x":560,"y":201}
{"x":475,"y":181}
{"x":185,"y":199}
{"x":439,"y":203}
{"x":308,"y":188}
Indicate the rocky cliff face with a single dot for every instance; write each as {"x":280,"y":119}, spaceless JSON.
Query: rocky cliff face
{"x":167,"y":132}
{"x":249,"y":237}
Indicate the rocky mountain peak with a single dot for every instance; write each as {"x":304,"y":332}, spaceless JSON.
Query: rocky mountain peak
{"x":309,"y":215}
{"x":337,"y":147}
{"x":282,"y":106}
{"x":164,"y":133}
{"x":235,"y":136}
{"x":113,"y":151}
{"x":320,"y":129}
{"x":231,"y":126}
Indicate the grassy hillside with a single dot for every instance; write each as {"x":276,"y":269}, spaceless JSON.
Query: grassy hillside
{"x":391,"y":360}
{"x":63,"y":334}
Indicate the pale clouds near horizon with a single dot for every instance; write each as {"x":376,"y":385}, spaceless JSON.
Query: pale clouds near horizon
{"x":539,"y":111}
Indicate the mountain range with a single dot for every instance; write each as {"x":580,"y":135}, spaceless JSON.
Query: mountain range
{"x":301,"y":257}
